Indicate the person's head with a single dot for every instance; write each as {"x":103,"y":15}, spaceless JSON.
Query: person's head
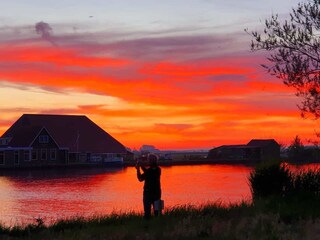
{"x":153,"y":160}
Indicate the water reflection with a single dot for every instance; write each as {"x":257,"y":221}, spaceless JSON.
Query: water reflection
{"x":200,"y":184}
{"x":61,"y":193}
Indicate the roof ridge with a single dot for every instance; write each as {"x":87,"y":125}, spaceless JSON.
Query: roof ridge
{"x":58,"y":115}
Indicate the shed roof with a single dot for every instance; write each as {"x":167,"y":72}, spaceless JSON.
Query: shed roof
{"x":261,"y":142}
{"x":232,"y":146}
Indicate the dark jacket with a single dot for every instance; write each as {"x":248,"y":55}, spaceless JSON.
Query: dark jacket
{"x":151,"y":178}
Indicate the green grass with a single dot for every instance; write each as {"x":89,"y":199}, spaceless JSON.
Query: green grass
{"x":268,"y":219}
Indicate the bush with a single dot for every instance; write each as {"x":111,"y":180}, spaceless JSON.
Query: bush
{"x":275,"y":179}
{"x":307,"y":182}
{"x":271,"y":179}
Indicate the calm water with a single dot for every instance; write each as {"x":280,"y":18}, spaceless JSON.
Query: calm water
{"x":55,"y":194}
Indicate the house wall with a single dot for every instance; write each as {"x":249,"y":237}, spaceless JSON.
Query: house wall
{"x":23,"y":158}
{"x":43,"y":152}
{"x":6,"y":155}
{"x":12,"y":158}
{"x":227,"y":154}
{"x":252,"y":154}
{"x":248,"y":153}
{"x":46,"y":152}
{"x":270,"y":152}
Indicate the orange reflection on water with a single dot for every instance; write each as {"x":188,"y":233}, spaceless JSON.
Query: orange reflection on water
{"x":59,"y":194}
{"x":205,"y":183}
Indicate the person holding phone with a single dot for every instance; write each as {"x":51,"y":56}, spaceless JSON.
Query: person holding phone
{"x":152,"y":186}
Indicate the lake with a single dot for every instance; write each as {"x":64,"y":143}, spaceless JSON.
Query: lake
{"x":62,"y":193}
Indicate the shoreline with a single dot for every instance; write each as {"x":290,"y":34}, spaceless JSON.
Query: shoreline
{"x":164,"y":163}
{"x":194,"y":162}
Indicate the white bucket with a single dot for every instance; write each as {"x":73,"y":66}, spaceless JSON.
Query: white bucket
{"x":158,"y":205}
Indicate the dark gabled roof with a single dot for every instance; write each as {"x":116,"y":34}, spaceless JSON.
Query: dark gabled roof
{"x":261,"y":142}
{"x":254,"y":143}
{"x":69,"y":131}
{"x":231,"y":146}
{"x":24,"y":136}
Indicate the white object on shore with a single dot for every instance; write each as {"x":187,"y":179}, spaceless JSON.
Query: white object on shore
{"x":158,"y":205}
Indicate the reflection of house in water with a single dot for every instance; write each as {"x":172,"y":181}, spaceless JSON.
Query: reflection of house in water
{"x":42,"y":140}
{"x":255,"y":150}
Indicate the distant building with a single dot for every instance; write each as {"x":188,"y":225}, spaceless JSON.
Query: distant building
{"x":149,"y":149}
{"x":45,"y":140}
{"x":255,"y":150}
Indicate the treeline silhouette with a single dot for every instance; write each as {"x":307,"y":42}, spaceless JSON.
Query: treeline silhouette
{"x":298,"y":152}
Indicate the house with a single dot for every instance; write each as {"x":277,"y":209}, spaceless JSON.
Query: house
{"x":256,"y":150}
{"x":45,"y":140}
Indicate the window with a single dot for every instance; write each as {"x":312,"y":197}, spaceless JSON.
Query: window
{"x":26,"y":155}
{"x":4,"y":141}
{"x":96,"y":158}
{"x":111,"y":155}
{"x":53,"y":154}
{"x":43,"y":154}
{"x":1,"y":158}
{"x":43,"y":139}
{"x":16,"y":157}
{"x":34,"y":155}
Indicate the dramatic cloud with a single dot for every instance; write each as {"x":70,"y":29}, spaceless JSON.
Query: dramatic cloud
{"x":68,"y":57}
{"x":45,"y":31}
{"x":172,"y":91}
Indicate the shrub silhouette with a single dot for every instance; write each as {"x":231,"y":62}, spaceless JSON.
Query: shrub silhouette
{"x":307,"y":182}
{"x":275,"y":179}
{"x":270,"y":179}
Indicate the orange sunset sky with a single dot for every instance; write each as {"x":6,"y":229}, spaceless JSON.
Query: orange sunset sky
{"x":175,"y":74}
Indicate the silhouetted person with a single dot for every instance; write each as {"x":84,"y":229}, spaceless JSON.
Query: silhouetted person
{"x":152,"y":188}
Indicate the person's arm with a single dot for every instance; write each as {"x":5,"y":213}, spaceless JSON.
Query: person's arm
{"x":143,"y":168}
{"x":141,"y":176}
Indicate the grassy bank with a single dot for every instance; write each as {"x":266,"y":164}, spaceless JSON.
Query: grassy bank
{"x":271,"y":218}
